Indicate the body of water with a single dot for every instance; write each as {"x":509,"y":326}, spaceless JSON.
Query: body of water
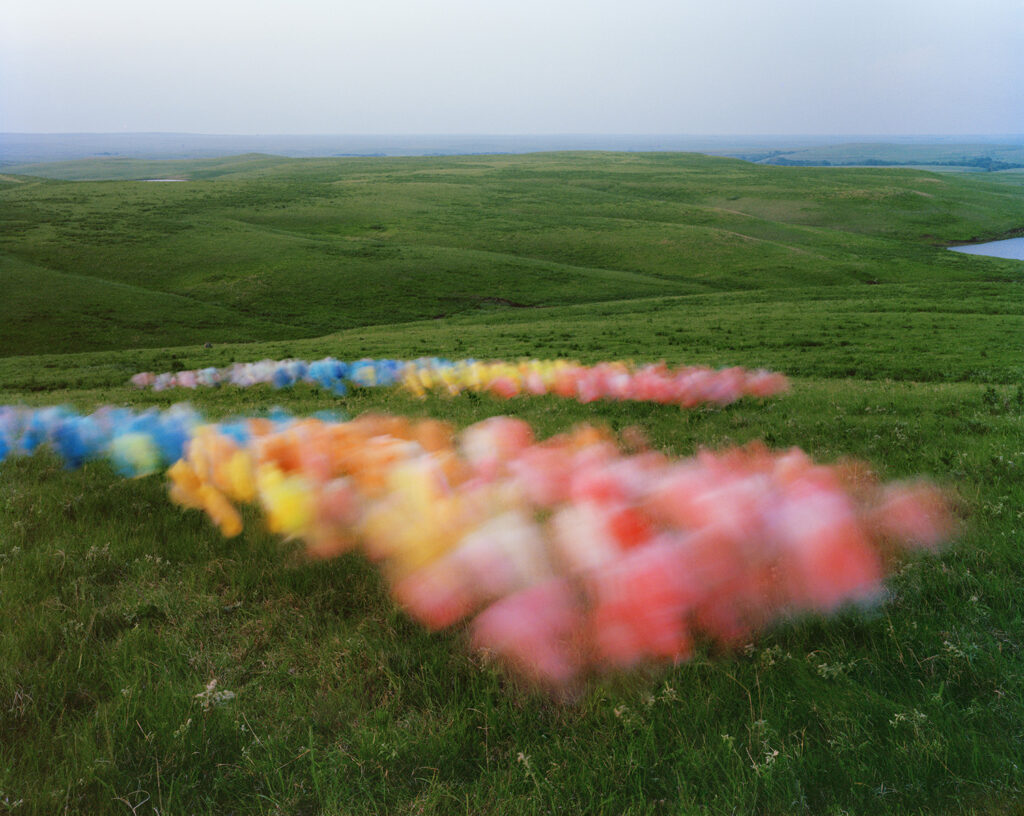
{"x":1012,"y":248}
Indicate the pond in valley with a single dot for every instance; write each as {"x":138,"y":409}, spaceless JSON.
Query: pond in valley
{"x":1012,"y":248}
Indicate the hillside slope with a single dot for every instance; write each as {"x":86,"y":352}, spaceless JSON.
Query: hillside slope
{"x":259,"y":248}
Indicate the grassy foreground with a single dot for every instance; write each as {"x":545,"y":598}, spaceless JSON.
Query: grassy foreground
{"x":118,"y":611}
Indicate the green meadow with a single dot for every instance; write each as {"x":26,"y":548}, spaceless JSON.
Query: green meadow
{"x":262,"y":248}
{"x":118,"y":611}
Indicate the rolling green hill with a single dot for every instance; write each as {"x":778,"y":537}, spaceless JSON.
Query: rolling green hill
{"x":129,"y":169}
{"x":259,"y":248}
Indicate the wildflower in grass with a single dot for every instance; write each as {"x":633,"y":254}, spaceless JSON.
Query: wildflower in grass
{"x":211,"y":698}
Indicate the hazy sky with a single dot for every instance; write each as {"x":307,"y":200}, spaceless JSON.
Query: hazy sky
{"x":531,"y":66}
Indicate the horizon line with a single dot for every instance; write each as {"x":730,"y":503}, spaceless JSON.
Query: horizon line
{"x":505,"y":135}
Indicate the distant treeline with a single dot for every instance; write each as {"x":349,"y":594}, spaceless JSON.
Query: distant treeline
{"x":780,"y":158}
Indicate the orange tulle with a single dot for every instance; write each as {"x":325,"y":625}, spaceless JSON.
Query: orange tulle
{"x":569,"y":555}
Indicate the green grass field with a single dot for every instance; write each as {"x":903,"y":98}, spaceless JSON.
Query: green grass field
{"x":258,"y":248}
{"x":117,"y":609}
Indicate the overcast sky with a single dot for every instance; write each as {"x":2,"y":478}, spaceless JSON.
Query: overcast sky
{"x":532,"y":66}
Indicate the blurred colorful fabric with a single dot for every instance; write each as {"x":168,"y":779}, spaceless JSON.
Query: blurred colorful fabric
{"x":686,"y":386}
{"x":567,"y":557}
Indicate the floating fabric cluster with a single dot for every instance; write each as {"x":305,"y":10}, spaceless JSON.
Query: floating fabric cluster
{"x":136,"y":443}
{"x":687,"y":386}
{"x":568,"y":555}
{"x":334,"y":375}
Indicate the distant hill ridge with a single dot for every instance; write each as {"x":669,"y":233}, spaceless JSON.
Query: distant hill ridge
{"x":975,"y":157}
{"x":28,"y":148}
